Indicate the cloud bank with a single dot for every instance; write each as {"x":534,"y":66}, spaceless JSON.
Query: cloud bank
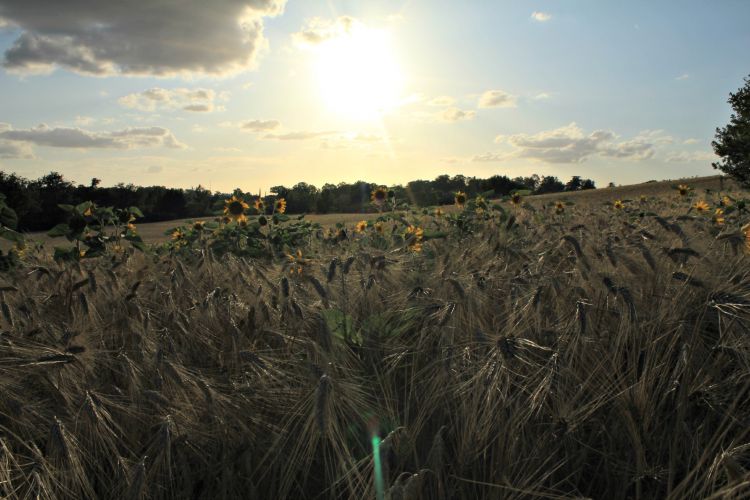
{"x":195,"y":100}
{"x":76,"y":138}
{"x":132,"y":37}
{"x":570,"y":144}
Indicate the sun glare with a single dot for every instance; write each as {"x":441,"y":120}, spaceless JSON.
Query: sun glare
{"x":358,"y":74}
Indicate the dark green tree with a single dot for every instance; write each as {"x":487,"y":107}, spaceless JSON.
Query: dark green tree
{"x":732,"y":143}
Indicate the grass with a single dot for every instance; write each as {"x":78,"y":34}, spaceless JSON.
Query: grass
{"x":594,"y":353}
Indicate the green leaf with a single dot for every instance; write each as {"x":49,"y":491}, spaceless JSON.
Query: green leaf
{"x":82,"y":207}
{"x":135,"y":211}
{"x":10,"y":235}
{"x":59,"y":230}
{"x":341,"y":325}
{"x":67,"y":208}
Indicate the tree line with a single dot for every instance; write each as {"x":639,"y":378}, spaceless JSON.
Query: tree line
{"x":35,"y":203}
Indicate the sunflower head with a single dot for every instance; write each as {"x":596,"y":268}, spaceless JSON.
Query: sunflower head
{"x":683,"y":189}
{"x":618,"y":205}
{"x":379,"y":195}
{"x":701,"y":206}
{"x":178,"y":235}
{"x":480,"y":201}
{"x":746,"y":230}
{"x":262,"y":220}
{"x":234,"y":208}
{"x":559,"y":207}
{"x":414,"y":237}
{"x":460,"y":199}
{"x":361,"y":226}
{"x":719,"y":217}
{"x":279,"y":206}
{"x":379,"y":228}
{"x":259,"y":205}
{"x":199,"y":226}
{"x":515,"y":199}
{"x":726,"y":201}
{"x":643,"y":198}
{"x":439,"y":212}
{"x":341,"y":234}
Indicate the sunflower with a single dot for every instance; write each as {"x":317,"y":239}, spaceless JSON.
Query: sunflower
{"x":88,"y":212}
{"x":234,"y":208}
{"x":178,"y":235}
{"x":279,"y":206}
{"x":414,"y":236}
{"x":361,"y":226}
{"x":726,"y":201}
{"x":559,"y":207}
{"x":746,"y":230}
{"x":379,"y":195}
{"x":719,"y":217}
{"x":480,"y":202}
{"x":460,"y":199}
{"x":515,"y":199}
{"x":618,"y":205}
{"x":379,"y":228}
{"x":296,"y":262}
{"x":199,"y":226}
{"x":683,"y":189}
{"x":701,"y":206}
{"x":643,"y":198}
{"x":259,"y":205}
{"x":341,"y":234}
{"x":438,"y":212}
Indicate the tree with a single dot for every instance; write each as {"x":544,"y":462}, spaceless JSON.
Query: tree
{"x":732,"y":143}
{"x":588,"y":184}
{"x":574,"y":184}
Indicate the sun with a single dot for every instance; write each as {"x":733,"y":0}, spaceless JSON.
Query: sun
{"x":358,"y":73}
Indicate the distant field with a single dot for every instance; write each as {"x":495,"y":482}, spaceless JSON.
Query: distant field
{"x":154,"y":232}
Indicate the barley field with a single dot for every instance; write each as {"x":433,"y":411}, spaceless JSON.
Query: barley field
{"x":520,"y":348}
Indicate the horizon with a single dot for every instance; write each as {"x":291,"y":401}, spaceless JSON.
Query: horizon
{"x":275,"y":92}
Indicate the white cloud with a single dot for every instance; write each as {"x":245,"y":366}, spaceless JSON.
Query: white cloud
{"x":685,"y":157}
{"x":455,"y":115}
{"x":61,"y":137}
{"x":496,"y":99}
{"x":160,"y":37}
{"x":154,"y":169}
{"x":442,"y":100}
{"x":318,"y":30}
{"x":691,"y":141}
{"x":298,"y":136}
{"x":260,"y":125}
{"x":570,"y":144}
{"x":196,"y":100}
{"x":84,"y":120}
{"x":540,"y":16}
{"x":683,"y":76}
{"x":542,"y":96}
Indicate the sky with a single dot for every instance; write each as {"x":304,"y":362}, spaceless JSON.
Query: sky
{"x":259,"y":93}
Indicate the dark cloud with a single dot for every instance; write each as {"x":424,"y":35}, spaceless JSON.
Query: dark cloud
{"x":61,"y":137}
{"x":134,"y":37}
{"x":13,"y":150}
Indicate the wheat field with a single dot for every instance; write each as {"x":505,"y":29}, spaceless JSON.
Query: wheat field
{"x":591,"y":353}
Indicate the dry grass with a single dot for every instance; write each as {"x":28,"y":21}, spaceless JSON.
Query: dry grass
{"x":588,"y":355}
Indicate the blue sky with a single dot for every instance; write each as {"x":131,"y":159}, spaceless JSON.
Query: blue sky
{"x":387,"y":91}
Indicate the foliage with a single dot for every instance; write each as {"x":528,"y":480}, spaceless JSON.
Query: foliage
{"x":732,"y":142}
{"x":516,"y":348}
{"x":36,"y":202}
{"x":93,"y":230}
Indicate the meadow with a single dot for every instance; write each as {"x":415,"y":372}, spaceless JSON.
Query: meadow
{"x":595,"y":347}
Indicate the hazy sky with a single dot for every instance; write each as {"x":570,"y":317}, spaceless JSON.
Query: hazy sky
{"x":256,"y":93}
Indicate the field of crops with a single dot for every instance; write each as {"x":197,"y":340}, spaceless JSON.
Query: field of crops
{"x":591,"y":348}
